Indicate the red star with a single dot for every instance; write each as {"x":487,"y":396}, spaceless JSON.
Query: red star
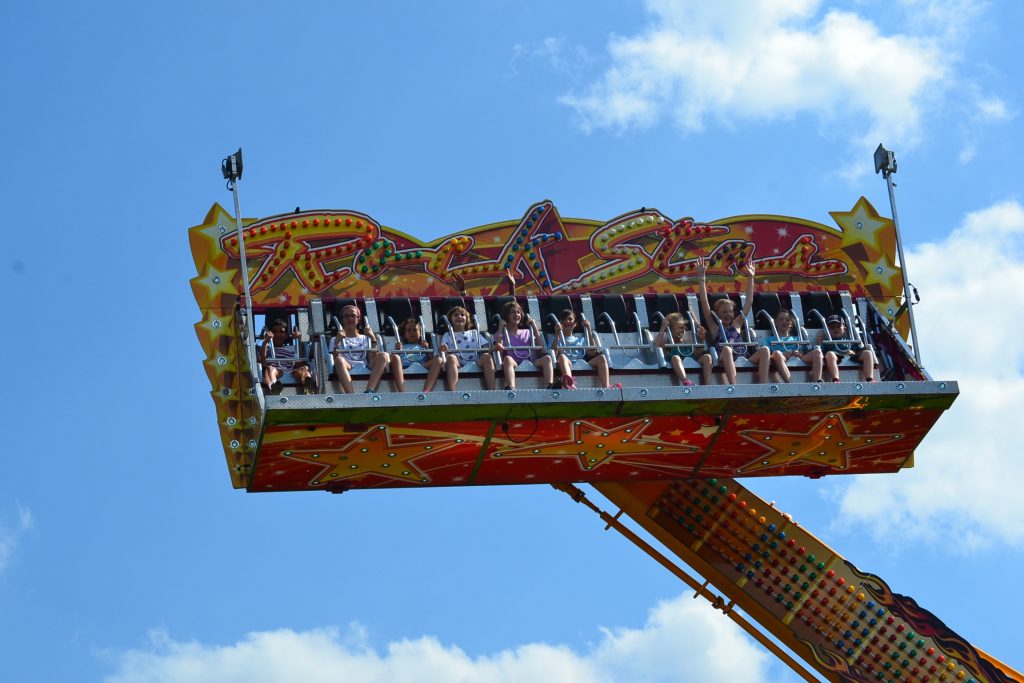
{"x":593,"y":445}
{"x":376,"y":451}
{"x":829,"y":443}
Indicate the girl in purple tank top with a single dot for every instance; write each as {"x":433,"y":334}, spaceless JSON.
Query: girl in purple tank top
{"x":515,"y":334}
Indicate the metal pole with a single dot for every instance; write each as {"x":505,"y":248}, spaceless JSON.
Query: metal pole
{"x":232,"y":169}
{"x":885,"y":162}
{"x":903,"y":267}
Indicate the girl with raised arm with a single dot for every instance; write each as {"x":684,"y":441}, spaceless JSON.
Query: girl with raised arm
{"x":728,"y":337}
{"x":516,"y":331}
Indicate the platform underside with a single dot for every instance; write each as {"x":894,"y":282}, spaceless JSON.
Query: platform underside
{"x":337,"y":442}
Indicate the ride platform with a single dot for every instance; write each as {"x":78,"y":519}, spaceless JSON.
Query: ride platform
{"x":621,"y":275}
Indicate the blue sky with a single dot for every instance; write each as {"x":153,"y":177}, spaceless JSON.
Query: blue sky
{"x":124,"y":553}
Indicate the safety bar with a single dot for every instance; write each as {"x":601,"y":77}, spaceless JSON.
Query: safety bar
{"x":801,"y":340}
{"x":398,"y":338}
{"x":746,"y":330}
{"x":560,"y":337}
{"x":828,"y":335}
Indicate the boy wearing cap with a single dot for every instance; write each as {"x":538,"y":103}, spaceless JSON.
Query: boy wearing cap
{"x":835,"y":351}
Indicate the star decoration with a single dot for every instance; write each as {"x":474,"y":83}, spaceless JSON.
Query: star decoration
{"x":882,"y":272}
{"x":594,"y":445}
{"x":376,"y":451}
{"x":863,"y":225}
{"x":223,"y":225}
{"x":214,"y":283}
{"x":216,"y":325}
{"x":706,"y":430}
{"x":828,"y":443}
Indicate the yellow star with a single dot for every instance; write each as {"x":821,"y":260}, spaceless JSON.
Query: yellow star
{"x":862,"y":225}
{"x":594,"y":445}
{"x":217,"y":364}
{"x":883,"y":272}
{"x":215,"y":325}
{"x":222,"y":224}
{"x":829,"y":444}
{"x":706,"y":430}
{"x":212,"y":283}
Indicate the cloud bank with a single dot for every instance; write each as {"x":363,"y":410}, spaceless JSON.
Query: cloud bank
{"x":682,"y":640}
{"x":969,"y":471}
{"x":742,"y":61}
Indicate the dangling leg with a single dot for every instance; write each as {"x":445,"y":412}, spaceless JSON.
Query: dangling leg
{"x":451,"y":371}
{"x":397,"y":372}
{"x":779,"y":360}
{"x":600,"y":363}
{"x":705,"y":368}
{"x":548,"y":370}
{"x":304,"y":376}
{"x":486,"y":362}
{"x":763,"y":361}
{"x":508,"y":368}
{"x":565,"y":370}
{"x":680,"y":371}
{"x":341,"y":371}
{"x":433,"y":372}
{"x":814,"y":358}
{"x":725,"y":357}
{"x":832,"y":366}
{"x":867,"y":360}
{"x":378,"y":361}
{"x":270,"y":376}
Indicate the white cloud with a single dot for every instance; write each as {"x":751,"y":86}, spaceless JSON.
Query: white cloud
{"x":983,"y":112}
{"x":682,"y":639}
{"x":563,"y":58}
{"x":10,"y":534}
{"x":969,"y":467}
{"x":737,"y":61}
{"x":993,"y":109}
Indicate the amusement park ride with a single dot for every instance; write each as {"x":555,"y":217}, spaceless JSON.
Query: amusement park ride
{"x":668,"y":455}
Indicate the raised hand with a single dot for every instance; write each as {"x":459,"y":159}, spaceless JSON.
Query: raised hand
{"x":748,"y":269}
{"x":460,"y":282}
{"x":702,"y":266}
